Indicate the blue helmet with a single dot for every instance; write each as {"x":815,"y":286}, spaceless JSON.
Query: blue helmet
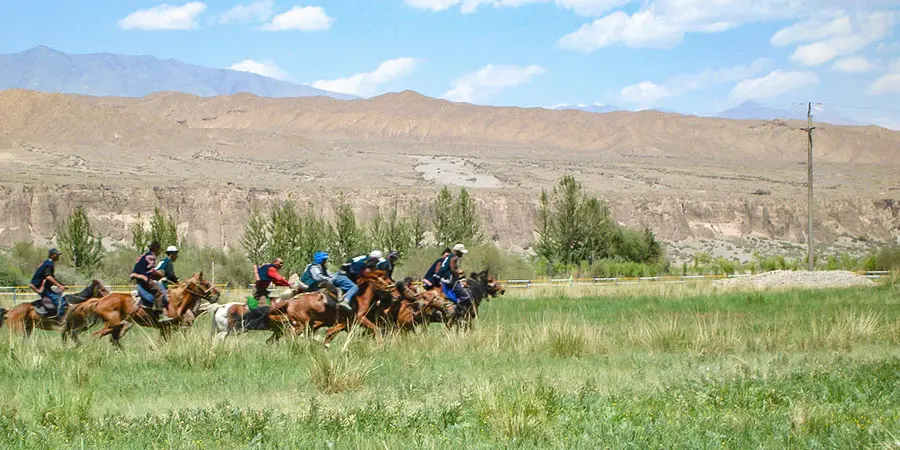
{"x":320,"y":257}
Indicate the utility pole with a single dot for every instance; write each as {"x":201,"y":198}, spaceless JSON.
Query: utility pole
{"x":809,"y":184}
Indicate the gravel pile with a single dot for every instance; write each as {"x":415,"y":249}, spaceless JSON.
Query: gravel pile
{"x":802,"y":279}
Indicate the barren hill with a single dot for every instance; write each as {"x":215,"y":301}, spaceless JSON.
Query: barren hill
{"x":688,"y":177}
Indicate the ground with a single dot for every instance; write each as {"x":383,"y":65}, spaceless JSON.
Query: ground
{"x":643,"y":367}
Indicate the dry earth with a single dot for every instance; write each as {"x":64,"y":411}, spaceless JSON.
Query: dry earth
{"x":700,"y":183}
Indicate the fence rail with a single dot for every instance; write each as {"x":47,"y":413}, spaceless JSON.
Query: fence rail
{"x":17,"y":294}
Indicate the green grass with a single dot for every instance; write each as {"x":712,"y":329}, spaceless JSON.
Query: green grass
{"x":656,"y":367}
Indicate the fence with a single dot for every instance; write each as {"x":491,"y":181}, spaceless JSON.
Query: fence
{"x":12,"y":295}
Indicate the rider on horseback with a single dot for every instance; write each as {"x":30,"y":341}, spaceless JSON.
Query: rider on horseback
{"x":431,"y":279}
{"x":316,"y":275}
{"x":166,"y":267}
{"x":146,"y":276}
{"x":387,"y":265}
{"x":350,"y":272}
{"x":451,"y":274}
{"x":45,"y":284}
{"x":266,"y":275}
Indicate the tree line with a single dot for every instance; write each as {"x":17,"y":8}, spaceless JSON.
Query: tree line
{"x":572,"y":229}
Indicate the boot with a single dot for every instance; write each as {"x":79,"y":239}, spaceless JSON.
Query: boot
{"x":344,"y":304}
{"x":158,"y":307}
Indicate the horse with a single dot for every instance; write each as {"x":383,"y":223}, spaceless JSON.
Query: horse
{"x":24,"y":318}
{"x":366,"y":313}
{"x":117,"y":309}
{"x":481,"y":286}
{"x":403,"y":314}
{"x":295,"y":313}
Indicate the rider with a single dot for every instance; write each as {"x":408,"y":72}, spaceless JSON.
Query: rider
{"x":350,"y":272}
{"x":431,"y":280}
{"x":387,"y":264}
{"x":266,"y":275}
{"x":45,"y":284}
{"x":146,"y":276}
{"x":166,"y":268}
{"x":316,"y":274}
{"x":451,"y":272}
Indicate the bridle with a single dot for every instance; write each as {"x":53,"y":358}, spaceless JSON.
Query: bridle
{"x":205,"y":295}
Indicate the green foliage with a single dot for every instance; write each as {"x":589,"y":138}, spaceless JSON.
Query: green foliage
{"x":888,"y":258}
{"x":77,"y":239}
{"x":573,"y":228}
{"x":394,"y":232}
{"x":255,"y":239}
{"x":348,"y":236}
{"x":285,"y":233}
{"x":456,"y":220}
{"x":162,"y":228}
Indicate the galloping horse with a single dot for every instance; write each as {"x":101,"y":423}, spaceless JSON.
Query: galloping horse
{"x":118,"y":308}
{"x":23,"y":318}
{"x":295,"y":314}
{"x":481,"y":286}
{"x":366,"y":313}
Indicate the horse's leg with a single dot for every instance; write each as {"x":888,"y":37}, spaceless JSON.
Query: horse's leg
{"x":337,"y":328}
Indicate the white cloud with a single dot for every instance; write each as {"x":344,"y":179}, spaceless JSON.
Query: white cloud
{"x":303,"y":18}
{"x":834,"y":35}
{"x":265,"y":68}
{"x":369,"y":83}
{"x":777,"y":83}
{"x":254,"y":12}
{"x":856,"y":64}
{"x":647,"y":93}
{"x":490,"y":80}
{"x":663,"y":23}
{"x":434,"y":5}
{"x":888,"y":83}
{"x":580,"y":7}
{"x":164,"y":17}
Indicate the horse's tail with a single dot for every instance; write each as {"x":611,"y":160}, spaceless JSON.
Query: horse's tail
{"x":2,"y":316}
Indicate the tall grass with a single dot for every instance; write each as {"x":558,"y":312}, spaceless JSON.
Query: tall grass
{"x":652,"y":367}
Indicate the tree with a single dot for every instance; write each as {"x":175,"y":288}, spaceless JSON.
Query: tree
{"x":442,"y":215}
{"x":140,"y":237}
{"x":255,"y":239}
{"x":316,"y":234}
{"x":162,"y":229}
{"x":285,"y":230}
{"x":573,"y":228}
{"x":76,"y":237}
{"x":347,"y":236}
{"x":466,"y":222}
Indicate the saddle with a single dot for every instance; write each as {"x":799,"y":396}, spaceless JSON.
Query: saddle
{"x":44,"y":307}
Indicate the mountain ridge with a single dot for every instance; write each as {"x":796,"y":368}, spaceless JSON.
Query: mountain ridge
{"x":107,"y":74}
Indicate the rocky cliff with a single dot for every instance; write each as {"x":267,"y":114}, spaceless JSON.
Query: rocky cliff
{"x":215,"y":214}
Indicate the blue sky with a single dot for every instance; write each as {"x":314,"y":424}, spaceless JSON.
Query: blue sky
{"x":692,"y":56}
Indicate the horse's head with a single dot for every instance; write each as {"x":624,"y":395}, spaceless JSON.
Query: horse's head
{"x":201,"y":288}
{"x":494,"y":288}
{"x":98,"y":289}
{"x":406,"y":289}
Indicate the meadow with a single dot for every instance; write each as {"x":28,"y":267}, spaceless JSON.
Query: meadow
{"x":660,"y":366}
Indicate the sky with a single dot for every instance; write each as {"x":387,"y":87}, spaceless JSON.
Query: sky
{"x":690,"y":56}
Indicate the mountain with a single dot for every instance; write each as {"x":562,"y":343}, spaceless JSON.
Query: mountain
{"x":245,"y":126}
{"x":751,"y":110}
{"x":104,"y":74}
{"x":595,"y":108}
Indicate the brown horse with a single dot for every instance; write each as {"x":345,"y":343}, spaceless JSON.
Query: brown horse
{"x":118,"y":308}
{"x":23,"y":318}
{"x":366,"y":313}
{"x":295,"y":315}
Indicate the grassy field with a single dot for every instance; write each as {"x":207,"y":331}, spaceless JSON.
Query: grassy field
{"x":655,"y":367}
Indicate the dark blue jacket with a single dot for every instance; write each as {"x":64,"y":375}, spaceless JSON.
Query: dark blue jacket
{"x":46,"y":269}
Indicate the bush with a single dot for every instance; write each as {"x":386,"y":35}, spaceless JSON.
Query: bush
{"x":887,"y":258}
